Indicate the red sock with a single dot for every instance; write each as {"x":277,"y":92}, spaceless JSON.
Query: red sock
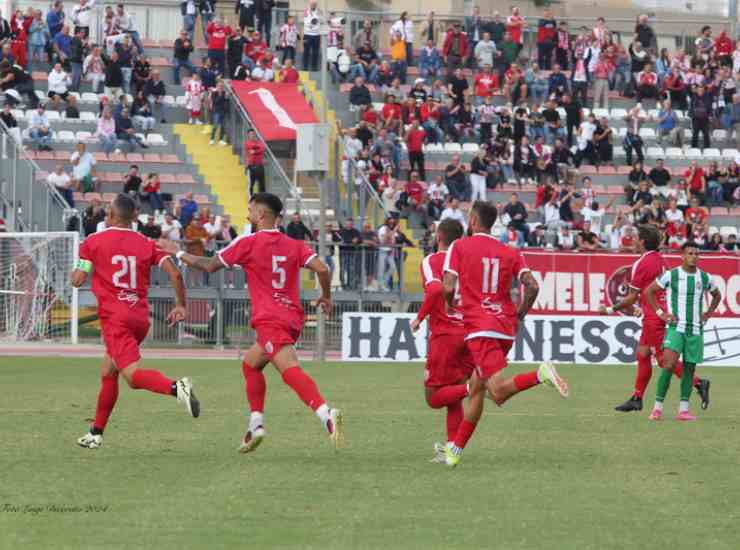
{"x":254,"y":380}
{"x":106,"y":401}
{"x":644,"y":373}
{"x":304,"y":386}
{"x":526,"y":380}
{"x":464,"y":432}
{"x":454,"y":417}
{"x":151,"y":380}
{"x":448,"y":395}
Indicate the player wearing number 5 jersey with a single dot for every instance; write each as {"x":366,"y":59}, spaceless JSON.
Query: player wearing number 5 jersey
{"x":120,"y":260}
{"x":485,"y":270}
{"x":272,"y":263}
{"x":686,"y":287}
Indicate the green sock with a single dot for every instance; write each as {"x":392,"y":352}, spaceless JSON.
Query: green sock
{"x":664,"y":383}
{"x":687,"y":380}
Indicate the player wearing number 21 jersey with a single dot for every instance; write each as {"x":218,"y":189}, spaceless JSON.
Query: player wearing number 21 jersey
{"x":272,"y":263}
{"x":120,"y":260}
{"x":484,"y":270}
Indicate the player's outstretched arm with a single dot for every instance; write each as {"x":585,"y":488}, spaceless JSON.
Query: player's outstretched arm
{"x":625,"y":305}
{"x":179,"y":312}
{"x":448,"y":287}
{"x":202,"y":263}
{"x":531,"y":289}
{"x":324,"y":275}
{"x":79,"y":275}
{"x":433,"y":291}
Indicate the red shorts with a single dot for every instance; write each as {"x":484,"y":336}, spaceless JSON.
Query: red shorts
{"x":489,"y":355}
{"x":123,"y":338}
{"x":652,"y":335}
{"x":448,"y":361}
{"x":273,"y":338}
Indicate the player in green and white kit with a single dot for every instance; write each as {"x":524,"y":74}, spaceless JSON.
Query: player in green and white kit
{"x":685,"y":288}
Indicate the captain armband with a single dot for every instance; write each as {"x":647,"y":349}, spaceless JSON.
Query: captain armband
{"x":84,"y":265}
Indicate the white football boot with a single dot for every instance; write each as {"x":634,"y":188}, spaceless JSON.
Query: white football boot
{"x":90,"y":441}
{"x":185,"y":394}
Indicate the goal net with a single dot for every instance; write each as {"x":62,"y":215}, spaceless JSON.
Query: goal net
{"x":37,"y":302}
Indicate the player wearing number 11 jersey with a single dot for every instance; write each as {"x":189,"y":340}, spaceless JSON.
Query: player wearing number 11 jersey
{"x":120,"y":260}
{"x":272,"y":263}
{"x":484,"y":270}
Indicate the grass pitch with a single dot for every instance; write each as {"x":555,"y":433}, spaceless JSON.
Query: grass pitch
{"x":540,"y":472}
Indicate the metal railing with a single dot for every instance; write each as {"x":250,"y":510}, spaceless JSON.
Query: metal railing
{"x":27,"y":203}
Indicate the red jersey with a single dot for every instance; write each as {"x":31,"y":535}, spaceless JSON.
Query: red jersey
{"x":271,"y":262}
{"x":122,"y":259}
{"x":415,"y":190}
{"x":217,"y":35}
{"x":485,"y":84}
{"x":289,"y":76}
{"x":415,"y":140}
{"x":486,"y":270}
{"x":514,"y":26}
{"x":391,"y":111}
{"x":696,"y":215}
{"x":255,"y":151}
{"x":645,"y":270}
{"x":371,"y":117}
{"x":442,"y":319}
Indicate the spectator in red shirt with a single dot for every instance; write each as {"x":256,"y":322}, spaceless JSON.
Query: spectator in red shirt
{"x":647,"y":83}
{"x":429,"y":116}
{"x":369,"y":115}
{"x":696,"y":181}
{"x":455,"y":49}
{"x":515,"y":26}
{"x":723,"y":48}
{"x":413,"y":194}
{"x":696,"y":215}
{"x":256,"y":48}
{"x":288,"y":73}
{"x":391,"y":114}
{"x":486,"y":83}
{"x":415,"y":145}
{"x":218,"y":33}
{"x":255,"y":152}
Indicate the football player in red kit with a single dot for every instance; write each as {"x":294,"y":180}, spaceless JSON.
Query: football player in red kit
{"x":644,"y":271}
{"x":272,"y":263}
{"x":484,"y":270}
{"x":449,"y":363}
{"x":120,"y":260}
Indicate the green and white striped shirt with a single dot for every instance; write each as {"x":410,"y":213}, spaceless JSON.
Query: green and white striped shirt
{"x":685,"y":297}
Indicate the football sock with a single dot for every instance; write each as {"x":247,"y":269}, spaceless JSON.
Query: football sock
{"x":644,"y":373}
{"x":256,"y":387}
{"x":658,"y":406}
{"x":526,"y":380}
{"x":464,"y":432}
{"x":106,"y":401}
{"x":304,"y":386}
{"x":255,"y":420}
{"x":687,"y":382}
{"x":153,"y":381}
{"x":454,"y":418}
{"x":664,"y":383}
{"x":447,"y":395}
{"x":683,"y":406}
{"x":323,"y":413}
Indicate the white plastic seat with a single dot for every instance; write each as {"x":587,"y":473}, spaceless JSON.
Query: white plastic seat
{"x":647,"y":133}
{"x":679,"y":113}
{"x":713,"y":229}
{"x":41,"y":95}
{"x":433,"y":148}
{"x":156,"y":139}
{"x":470,"y":148}
{"x":599,"y":113}
{"x":712,"y":153}
{"x":618,"y":113}
{"x":181,"y":100}
{"x":89,"y":97}
{"x":169,"y":100}
{"x":719,"y":135}
{"x":653,"y":113}
{"x":453,"y":148}
{"x":76,"y":95}
{"x":674,"y":153}
{"x":130,"y":98}
{"x":727,"y":230}
{"x":621,"y":132}
{"x":693,"y":153}
{"x":53,"y":116}
{"x":561,"y":112}
{"x":84,"y":137}
{"x":18,"y":114}
{"x":377,"y":105}
{"x":87,"y":116}
{"x":655,"y":152}
{"x":141,"y":137}
{"x":730,"y":154}
{"x":65,"y":136}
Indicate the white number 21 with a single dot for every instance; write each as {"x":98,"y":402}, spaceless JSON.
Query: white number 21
{"x":128,"y":267}
{"x":279,"y":271}
{"x":490,"y":275}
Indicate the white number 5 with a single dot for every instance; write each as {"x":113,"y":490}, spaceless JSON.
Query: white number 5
{"x":128,"y":267}
{"x":279,"y":271}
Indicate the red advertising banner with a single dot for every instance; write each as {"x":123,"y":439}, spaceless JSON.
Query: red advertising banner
{"x":578,"y":283}
{"x":275,"y":108}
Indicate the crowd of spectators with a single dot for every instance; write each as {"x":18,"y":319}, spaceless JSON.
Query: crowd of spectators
{"x":540,"y":137}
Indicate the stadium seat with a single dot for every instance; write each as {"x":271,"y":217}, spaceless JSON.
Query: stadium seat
{"x":621,"y":132}
{"x":647,"y":133}
{"x":61,"y":155}
{"x":712,"y":154}
{"x":618,"y":113}
{"x":655,"y":152}
{"x":134,"y":157}
{"x":117,"y":157}
{"x":599,"y":113}
{"x":100,"y":156}
{"x":19,"y":114}
{"x":726,"y":230}
{"x":152,"y":157}
{"x":377,"y":106}
{"x":87,"y":116}
{"x":607,"y":171}
{"x":730,"y":154}
{"x":693,"y":153}
{"x":41,"y":95}
{"x":453,"y":148}
{"x":679,"y":113}
{"x":169,"y":100}
{"x":674,"y":153}
{"x":109,"y":197}
{"x":156,"y":139}
{"x":167,"y":178}
{"x":66,"y":136}
{"x":186,"y":179}
{"x":181,"y":100}
{"x":713,"y":229}
{"x":89,"y":97}
{"x":85,"y":137}
{"x":653,"y":114}
{"x":202,"y":199}
{"x":470,"y":148}
{"x":433,"y":148}
{"x":170,"y":159}
{"x":719,"y":135}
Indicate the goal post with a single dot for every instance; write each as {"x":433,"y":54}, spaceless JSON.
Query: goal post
{"x":37,"y":301}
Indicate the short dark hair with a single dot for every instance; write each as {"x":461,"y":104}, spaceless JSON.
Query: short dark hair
{"x":450,"y":230}
{"x":486,"y":213}
{"x":124,"y":207}
{"x":650,"y":236}
{"x":689,"y":244}
{"x":272,"y":202}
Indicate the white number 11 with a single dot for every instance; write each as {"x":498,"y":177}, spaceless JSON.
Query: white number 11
{"x":490,"y":275}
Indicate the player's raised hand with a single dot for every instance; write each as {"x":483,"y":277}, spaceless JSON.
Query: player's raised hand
{"x":415,"y":324}
{"x":168,"y":246}
{"x":325,"y":304}
{"x":177,"y":314}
